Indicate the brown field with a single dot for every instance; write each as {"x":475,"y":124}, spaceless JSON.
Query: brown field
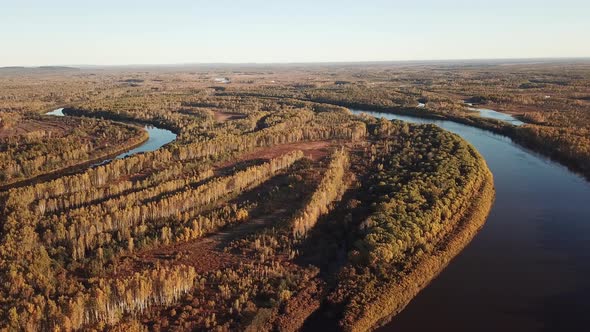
{"x":53,"y":127}
{"x":225,"y":116}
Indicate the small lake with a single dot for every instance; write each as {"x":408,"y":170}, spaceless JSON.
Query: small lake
{"x":158,"y":137}
{"x":491,"y":114}
{"x":528,"y":269}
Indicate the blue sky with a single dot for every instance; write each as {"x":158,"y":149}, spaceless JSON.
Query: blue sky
{"x":181,"y":31}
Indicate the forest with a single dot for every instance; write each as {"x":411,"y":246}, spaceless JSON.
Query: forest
{"x":551,"y":98}
{"x":275,"y":208}
{"x":33,"y":145}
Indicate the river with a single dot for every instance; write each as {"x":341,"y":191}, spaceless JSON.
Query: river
{"x":528,"y":269}
{"x":158,"y":137}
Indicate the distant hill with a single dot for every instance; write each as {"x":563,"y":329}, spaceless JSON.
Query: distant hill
{"x":21,"y":69}
{"x":57,"y":68}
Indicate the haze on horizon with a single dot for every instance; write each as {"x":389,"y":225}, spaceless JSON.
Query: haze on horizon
{"x":66,"y":32}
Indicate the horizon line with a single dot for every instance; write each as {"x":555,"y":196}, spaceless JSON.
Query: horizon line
{"x":231,"y":63}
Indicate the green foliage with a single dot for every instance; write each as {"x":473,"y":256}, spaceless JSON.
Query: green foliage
{"x":423,"y":183}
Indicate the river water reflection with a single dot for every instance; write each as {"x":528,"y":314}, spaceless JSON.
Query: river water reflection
{"x":529,"y":267}
{"x":158,"y":137}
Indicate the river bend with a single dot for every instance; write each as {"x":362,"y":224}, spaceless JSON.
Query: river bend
{"x":528,"y":269}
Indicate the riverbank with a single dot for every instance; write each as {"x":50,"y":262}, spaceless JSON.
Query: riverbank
{"x":122,"y":118}
{"x":518,"y":271}
{"x":529,"y":136}
{"x":394,"y":297}
{"x":148,"y":139}
{"x":78,"y":167}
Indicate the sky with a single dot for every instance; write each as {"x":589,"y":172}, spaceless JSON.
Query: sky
{"x":120,"y":32}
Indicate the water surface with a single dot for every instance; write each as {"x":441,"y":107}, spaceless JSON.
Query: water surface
{"x":57,"y":112}
{"x":158,"y":137}
{"x":528,"y":269}
{"x":491,"y":114}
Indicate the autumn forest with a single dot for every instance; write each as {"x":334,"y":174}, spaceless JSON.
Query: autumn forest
{"x":274,"y":208}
